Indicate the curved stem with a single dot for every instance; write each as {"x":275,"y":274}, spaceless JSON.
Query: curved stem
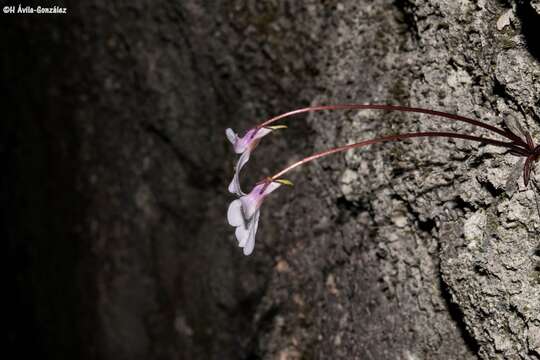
{"x":508,"y":135}
{"x":399,"y":137}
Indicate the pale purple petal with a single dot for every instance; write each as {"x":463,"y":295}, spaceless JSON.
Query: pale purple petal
{"x":231,"y":135}
{"x":234,"y":186}
{"x":250,"y":242}
{"x":249,"y":140}
{"x":242,"y":234}
{"x":273,"y":186}
{"x":234,"y":213}
{"x":241,"y":145}
{"x":250,"y":203}
{"x":244,"y":214}
{"x":261,"y":133}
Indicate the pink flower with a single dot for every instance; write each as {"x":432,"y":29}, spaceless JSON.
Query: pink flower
{"x":248,"y":141}
{"x":244,"y":145}
{"x":243,"y":214}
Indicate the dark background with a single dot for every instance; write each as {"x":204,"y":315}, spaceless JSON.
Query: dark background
{"x":115,"y":168}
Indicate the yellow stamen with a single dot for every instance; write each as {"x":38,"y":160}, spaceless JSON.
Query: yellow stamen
{"x":277,"y":127}
{"x":284,"y":182}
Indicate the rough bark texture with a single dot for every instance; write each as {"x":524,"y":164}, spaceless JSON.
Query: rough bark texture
{"x":115,"y":125}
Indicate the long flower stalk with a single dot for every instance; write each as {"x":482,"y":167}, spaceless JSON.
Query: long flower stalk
{"x":509,"y":145}
{"x":244,"y":212}
{"x":503,"y":132}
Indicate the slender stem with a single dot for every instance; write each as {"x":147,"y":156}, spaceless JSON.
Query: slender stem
{"x":396,"y":138}
{"x":508,"y":135}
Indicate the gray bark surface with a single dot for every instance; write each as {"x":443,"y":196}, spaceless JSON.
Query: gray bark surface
{"x":425,"y":249}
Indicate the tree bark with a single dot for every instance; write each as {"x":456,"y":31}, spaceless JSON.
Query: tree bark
{"x":118,"y":169}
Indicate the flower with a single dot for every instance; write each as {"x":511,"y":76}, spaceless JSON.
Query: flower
{"x":243,"y":145}
{"x":243,"y":214}
{"x":234,"y":186}
{"x":248,"y":141}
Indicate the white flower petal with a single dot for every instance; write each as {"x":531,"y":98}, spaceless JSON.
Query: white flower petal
{"x":234,"y":213}
{"x":234,"y":186}
{"x":262,"y":132}
{"x":231,"y":135}
{"x":253,"y":225}
{"x":242,"y":234}
{"x":252,"y":201}
{"x":240,"y":146}
{"x":271,"y":187}
{"x":250,"y":204}
{"x":242,"y":161}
